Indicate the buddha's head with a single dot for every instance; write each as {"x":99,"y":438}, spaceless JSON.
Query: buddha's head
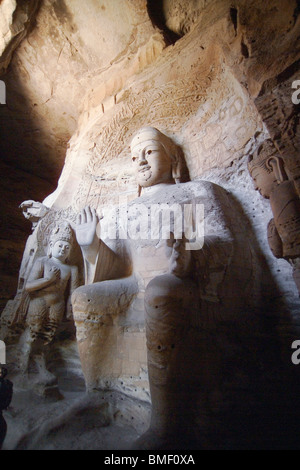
{"x":266,"y":168}
{"x":156,"y":158}
{"x":60,"y":243}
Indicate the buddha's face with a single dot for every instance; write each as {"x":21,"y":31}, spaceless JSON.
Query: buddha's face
{"x":264,"y":181}
{"x":152,"y":164}
{"x":60,"y":250}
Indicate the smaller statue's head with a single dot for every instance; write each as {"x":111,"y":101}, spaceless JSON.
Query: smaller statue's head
{"x":156,"y":158}
{"x":266,"y":168}
{"x":3,"y":372}
{"x":60,"y":242}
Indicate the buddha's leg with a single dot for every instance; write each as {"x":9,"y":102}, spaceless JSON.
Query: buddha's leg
{"x":47,"y":384}
{"x":37,"y":312}
{"x":31,"y":338}
{"x":54,"y":318}
{"x":96,"y":310}
{"x":170,"y":303}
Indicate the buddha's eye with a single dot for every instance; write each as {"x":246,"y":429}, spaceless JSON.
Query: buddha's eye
{"x":133,"y":159}
{"x":149,"y":152}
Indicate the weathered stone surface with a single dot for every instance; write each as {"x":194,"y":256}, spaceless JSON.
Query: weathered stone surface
{"x":59,"y":65}
{"x":16,"y":18}
{"x":280,"y":112}
{"x":264,"y":42}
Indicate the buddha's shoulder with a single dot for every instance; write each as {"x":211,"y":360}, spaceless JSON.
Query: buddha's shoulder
{"x":183,"y":193}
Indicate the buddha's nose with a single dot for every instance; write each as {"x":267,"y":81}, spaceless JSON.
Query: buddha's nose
{"x":142,"y":159}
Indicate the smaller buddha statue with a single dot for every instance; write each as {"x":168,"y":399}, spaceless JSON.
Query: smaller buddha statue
{"x":270,"y":177}
{"x":51,"y":281}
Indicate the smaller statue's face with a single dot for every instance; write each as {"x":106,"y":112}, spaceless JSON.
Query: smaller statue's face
{"x":61,"y":250}
{"x":152,"y":164}
{"x":264,"y":181}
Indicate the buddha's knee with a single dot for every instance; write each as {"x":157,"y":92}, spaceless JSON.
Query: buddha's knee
{"x":102,"y":299}
{"x":88,"y":302}
{"x":80,"y":299}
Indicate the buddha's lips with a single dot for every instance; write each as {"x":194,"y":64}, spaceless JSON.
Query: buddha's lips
{"x":145,"y":168}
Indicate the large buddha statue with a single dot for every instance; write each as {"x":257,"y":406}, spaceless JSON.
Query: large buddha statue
{"x":181,"y":262}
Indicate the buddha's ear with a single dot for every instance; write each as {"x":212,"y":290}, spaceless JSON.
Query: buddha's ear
{"x":50,"y":246}
{"x":176,"y":169}
{"x":276,"y":164}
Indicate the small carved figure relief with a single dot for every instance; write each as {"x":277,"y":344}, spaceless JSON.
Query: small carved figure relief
{"x":270,"y":177}
{"x":49,"y":285}
{"x":49,"y":281}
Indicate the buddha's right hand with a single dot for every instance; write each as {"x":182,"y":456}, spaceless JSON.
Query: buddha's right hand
{"x":85,"y":227}
{"x":54,"y":274}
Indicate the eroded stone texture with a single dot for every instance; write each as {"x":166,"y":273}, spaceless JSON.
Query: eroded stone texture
{"x":280,"y":113}
{"x":61,"y":61}
{"x":16,"y":18}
